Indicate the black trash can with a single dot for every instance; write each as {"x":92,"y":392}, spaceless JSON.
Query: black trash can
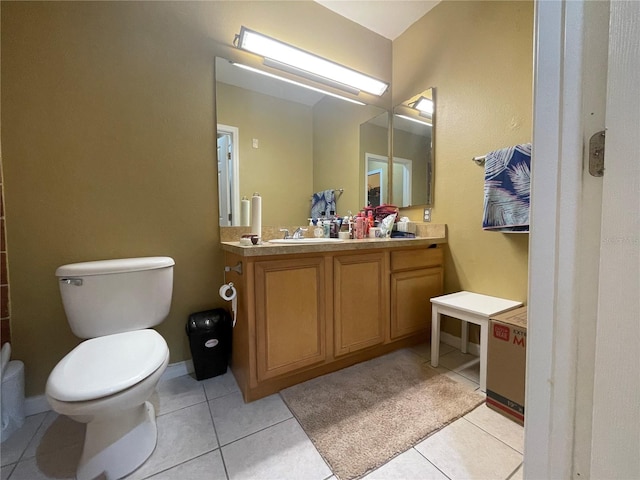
{"x":209,"y":335}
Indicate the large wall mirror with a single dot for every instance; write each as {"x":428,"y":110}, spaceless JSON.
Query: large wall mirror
{"x":413,"y":150}
{"x":286,"y":143}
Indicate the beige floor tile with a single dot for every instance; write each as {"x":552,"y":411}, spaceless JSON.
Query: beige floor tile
{"x":499,"y":426}
{"x":220,"y":386}
{"x":424,"y":349}
{"x":14,"y":446}
{"x":205,"y":467}
{"x":464,"y":451}
{"x":59,"y":465}
{"x":517,"y":475}
{"x":177,"y":393}
{"x":464,"y":364}
{"x":407,"y":465}
{"x":235,"y":419}
{"x":182,"y":435}
{"x":6,"y":471}
{"x":456,"y":377}
{"x":282,"y":452}
{"x":55,"y":433}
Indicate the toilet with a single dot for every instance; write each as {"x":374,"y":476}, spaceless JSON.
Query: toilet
{"x":107,"y":380}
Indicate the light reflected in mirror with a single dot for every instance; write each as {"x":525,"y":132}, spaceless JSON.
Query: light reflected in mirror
{"x":289,"y":143}
{"x":413,"y":151}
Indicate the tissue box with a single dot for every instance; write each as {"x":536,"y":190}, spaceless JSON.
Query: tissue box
{"x":507,"y":351}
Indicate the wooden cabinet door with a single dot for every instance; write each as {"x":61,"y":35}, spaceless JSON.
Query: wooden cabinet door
{"x":360,"y":301}
{"x":411,"y":292}
{"x":290,"y":315}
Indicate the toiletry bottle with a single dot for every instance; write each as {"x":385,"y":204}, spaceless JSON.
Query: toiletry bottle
{"x":359,"y":227}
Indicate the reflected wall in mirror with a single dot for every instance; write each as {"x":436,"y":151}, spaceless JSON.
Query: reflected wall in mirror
{"x":374,"y":151}
{"x":413,"y":150}
{"x":290,"y":142}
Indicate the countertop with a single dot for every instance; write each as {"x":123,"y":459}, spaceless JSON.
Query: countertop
{"x":267,"y":248}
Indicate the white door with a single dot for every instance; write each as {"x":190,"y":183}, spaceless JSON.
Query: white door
{"x":583,"y":380}
{"x":616,"y":395}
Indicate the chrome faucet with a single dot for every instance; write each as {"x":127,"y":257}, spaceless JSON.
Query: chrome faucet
{"x":286,"y":233}
{"x":299,"y":233}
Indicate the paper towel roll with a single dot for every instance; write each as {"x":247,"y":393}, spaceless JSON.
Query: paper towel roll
{"x":256,"y":214}
{"x":245,"y":208}
{"x":228,"y":292}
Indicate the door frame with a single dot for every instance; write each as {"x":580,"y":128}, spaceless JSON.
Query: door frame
{"x":555,"y":249}
{"x":570,"y":329}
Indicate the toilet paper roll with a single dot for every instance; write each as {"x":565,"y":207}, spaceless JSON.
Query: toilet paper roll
{"x":228,"y":292}
{"x":245,"y":208}
{"x":256,"y":214}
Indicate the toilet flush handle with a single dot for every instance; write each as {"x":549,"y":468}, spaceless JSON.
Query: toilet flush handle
{"x":72,"y":281}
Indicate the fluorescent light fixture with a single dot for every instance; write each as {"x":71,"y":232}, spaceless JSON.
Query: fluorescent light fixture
{"x":406,"y":117}
{"x":424,"y":105}
{"x":293,"y":82}
{"x":293,"y":60}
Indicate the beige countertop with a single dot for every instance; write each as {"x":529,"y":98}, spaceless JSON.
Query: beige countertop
{"x":436,"y":235}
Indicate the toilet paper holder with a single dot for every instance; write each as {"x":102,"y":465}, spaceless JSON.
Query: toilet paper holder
{"x":237,"y":268}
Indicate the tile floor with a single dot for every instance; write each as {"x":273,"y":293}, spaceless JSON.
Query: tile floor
{"x":206,"y":431}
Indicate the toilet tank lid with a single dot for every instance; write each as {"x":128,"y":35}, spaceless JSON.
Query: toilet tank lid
{"x":120,"y":265}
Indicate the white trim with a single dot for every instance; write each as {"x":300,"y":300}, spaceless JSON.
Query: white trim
{"x":554,"y":255}
{"x":235,"y":160}
{"x":38,"y":403}
{"x":407,"y":178}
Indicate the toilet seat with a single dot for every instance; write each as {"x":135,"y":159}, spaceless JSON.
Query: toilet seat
{"x":104,"y":366}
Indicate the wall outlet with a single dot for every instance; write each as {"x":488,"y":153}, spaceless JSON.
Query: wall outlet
{"x":255,"y":143}
{"x":427,"y":215}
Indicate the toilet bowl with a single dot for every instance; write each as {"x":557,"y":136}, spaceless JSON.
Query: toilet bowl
{"x":107,"y":380}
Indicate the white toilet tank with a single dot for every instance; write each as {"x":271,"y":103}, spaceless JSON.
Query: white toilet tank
{"x":113,"y":296}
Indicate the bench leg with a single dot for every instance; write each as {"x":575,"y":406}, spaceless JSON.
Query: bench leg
{"x":484,"y":341}
{"x":464,"y":336}
{"x":435,"y":336}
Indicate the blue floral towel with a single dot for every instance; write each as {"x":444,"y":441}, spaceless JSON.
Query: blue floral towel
{"x":324,"y":201}
{"x":507,"y":174}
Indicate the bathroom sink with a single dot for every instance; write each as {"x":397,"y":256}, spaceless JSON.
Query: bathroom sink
{"x":301,"y":241}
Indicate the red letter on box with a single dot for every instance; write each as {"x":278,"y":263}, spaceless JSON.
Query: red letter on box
{"x":519,"y":341}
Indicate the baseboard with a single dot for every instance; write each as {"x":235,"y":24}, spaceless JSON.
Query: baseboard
{"x":38,"y":403}
{"x":177,"y":370}
{"x":447,"y":338}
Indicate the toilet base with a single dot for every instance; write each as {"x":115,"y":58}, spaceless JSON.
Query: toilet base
{"x":117,"y":445}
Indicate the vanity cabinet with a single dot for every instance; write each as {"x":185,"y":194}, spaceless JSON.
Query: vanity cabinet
{"x":416,"y":277}
{"x":290,"y":317}
{"x":360,"y":307}
{"x":304,"y":314}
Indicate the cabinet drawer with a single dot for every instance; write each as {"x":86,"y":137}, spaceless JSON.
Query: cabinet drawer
{"x":418,"y":258}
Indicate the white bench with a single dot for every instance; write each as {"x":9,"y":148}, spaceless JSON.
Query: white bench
{"x":467,"y":307}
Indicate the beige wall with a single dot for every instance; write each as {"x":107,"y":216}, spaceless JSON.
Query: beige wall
{"x":108,"y":142}
{"x":479,"y":55}
{"x":337,"y":144}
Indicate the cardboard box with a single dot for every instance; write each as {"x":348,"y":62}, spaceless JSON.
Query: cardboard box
{"x":506,"y":362}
